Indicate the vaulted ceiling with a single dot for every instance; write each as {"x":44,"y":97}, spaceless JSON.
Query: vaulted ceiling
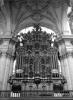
{"x":18,"y":14}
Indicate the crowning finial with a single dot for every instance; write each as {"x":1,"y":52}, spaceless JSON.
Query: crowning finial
{"x":37,"y":27}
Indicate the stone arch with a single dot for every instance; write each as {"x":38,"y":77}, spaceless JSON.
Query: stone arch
{"x":49,"y":26}
{"x":45,"y":22}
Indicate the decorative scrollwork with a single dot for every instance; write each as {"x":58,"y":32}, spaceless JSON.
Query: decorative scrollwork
{"x":35,"y":51}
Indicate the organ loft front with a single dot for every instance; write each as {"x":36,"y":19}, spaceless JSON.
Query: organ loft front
{"x":36,"y":65}
{"x":36,"y":49}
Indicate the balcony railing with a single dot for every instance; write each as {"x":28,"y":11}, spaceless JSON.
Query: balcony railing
{"x":10,"y":94}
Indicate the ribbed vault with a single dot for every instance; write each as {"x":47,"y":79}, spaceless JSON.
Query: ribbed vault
{"x":22,"y":13}
{"x":48,"y":13}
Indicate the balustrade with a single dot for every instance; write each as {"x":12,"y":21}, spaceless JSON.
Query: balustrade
{"x":39,"y":93}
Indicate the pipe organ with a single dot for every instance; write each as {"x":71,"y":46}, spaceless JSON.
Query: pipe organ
{"x":36,"y":62}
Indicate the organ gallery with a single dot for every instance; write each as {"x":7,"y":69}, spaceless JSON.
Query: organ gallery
{"x":38,"y":62}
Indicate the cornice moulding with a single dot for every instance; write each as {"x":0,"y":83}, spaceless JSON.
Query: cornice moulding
{"x":5,"y":36}
{"x":64,"y":37}
{"x":67,"y":37}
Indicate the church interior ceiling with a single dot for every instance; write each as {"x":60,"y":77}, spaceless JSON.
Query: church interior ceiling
{"x":22,"y":13}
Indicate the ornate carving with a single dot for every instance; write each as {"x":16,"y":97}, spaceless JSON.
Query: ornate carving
{"x":66,"y":55}
{"x":10,"y":54}
{"x":11,"y":49}
{"x":35,"y":58}
{"x":34,"y":49}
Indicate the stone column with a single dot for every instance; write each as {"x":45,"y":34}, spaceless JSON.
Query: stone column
{"x":3,"y":48}
{"x":2,"y":69}
{"x":65,"y":49}
{"x":6,"y":62}
{"x":9,"y":64}
{"x":69,"y":53}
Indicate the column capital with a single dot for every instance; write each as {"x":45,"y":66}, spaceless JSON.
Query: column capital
{"x":66,"y":32}
{"x":64,"y":38}
{"x":11,"y":51}
{"x":66,"y":55}
{"x":5,"y":37}
{"x":9,"y":54}
{"x":59,"y":40}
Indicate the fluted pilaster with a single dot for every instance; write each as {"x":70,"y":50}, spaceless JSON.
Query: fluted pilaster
{"x":66,"y":52}
{"x":9,"y":64}
{"x":6,"y":62}
{"x":3,"y":49}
